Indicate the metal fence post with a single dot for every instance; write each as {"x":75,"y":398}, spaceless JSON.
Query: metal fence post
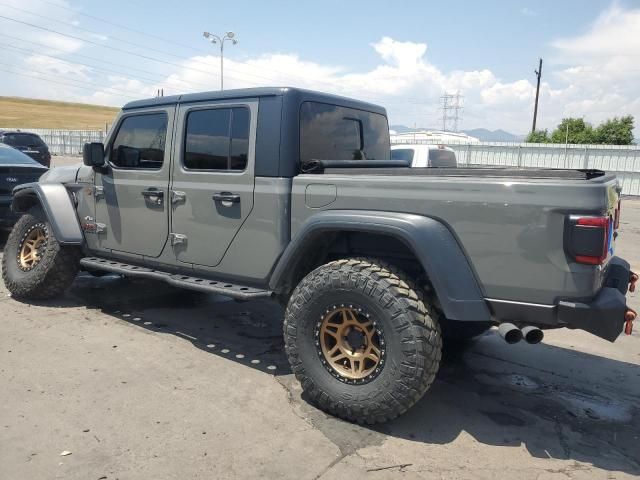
{"x":585,"y":163}
{"x":519,"y":156}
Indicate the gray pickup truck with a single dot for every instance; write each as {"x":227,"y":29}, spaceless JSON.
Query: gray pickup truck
{"x":291,"y":194}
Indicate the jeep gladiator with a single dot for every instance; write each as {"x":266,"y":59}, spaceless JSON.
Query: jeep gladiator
{"x":291,"y":194}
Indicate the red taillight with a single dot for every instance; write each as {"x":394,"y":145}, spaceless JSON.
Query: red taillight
{"x":591,"y":237}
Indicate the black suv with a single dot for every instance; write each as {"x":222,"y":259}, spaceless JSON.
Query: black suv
{"x":28,"y":143}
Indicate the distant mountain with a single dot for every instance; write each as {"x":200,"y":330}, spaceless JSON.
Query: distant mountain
{"x":494,"y":135}
{"x":482,"y":134}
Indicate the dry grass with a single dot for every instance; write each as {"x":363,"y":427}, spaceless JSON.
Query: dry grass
{"x":16,"y":112}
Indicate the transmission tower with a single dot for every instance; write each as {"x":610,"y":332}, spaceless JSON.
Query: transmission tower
{"x":452,"y":106}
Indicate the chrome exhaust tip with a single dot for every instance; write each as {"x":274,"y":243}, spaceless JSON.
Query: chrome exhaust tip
{"x":510,"y":333}
{"x":532,"y":335}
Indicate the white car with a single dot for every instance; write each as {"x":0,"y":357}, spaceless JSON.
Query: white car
{"x":425,"y":155}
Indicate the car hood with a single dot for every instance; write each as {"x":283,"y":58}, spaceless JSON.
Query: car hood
{"x":65,"y":174}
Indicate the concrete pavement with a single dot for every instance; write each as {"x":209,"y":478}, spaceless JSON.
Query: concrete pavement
{"x":139,"y":380}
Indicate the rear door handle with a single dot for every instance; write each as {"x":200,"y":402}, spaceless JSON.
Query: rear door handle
{"x":153,"y":196}
{"x":226,"y":197}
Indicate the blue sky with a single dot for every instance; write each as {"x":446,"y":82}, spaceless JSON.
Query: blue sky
{"x":401,"y":54}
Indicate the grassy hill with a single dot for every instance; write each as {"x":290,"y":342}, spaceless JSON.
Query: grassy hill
{"x":31,"y":113}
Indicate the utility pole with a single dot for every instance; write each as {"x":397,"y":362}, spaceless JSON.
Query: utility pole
{"x":220,"y":40}
{"x":535,"y":108}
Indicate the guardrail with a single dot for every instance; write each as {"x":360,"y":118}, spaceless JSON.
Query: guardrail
{"x":623,"y":160}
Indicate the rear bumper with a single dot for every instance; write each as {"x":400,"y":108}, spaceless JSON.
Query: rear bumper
{"x":603,"y":315}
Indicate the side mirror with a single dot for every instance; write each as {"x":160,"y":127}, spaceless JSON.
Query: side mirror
{"x":93,"y":154}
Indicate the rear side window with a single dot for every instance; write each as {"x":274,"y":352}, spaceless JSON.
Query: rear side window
{"x":140,"y":142}
{"x":402,"y":154}
{"x":442,"y":158}
{"x":217,"y":139}
{"x":331,"y":132}
{"x":23,"y":140}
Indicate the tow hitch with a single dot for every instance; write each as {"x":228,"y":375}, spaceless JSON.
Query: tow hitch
{"x":629,"y":316}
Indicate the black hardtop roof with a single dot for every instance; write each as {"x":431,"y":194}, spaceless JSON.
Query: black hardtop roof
{"x":297,"y":93}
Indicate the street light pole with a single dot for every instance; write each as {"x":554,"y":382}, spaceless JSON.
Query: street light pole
{"x":213,"y":38}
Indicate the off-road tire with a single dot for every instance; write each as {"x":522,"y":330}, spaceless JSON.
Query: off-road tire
{"x":55,"y":271}
{"x":411,"y":332}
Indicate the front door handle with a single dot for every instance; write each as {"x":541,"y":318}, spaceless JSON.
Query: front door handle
{"x":153,"y":196}
{"x":226,"y":197}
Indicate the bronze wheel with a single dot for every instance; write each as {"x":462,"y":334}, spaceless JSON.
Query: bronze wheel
{"x":32,"y":247}
{"x":350,"y":344}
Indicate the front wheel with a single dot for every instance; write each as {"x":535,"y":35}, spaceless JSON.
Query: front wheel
{"x":361,"y":340}
{"x":34,"y":264}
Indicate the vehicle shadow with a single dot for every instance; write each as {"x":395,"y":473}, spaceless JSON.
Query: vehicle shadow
{"x":556,"y":402}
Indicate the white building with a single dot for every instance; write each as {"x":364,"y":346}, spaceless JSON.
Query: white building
{"x":432,"y":137}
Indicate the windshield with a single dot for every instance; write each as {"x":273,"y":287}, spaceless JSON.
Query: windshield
{"x":23,"y":140}
{"x":11,"y":156}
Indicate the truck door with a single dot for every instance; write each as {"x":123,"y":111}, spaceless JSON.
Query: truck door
{"x":131,"y":194}
{"x":213,"y":178}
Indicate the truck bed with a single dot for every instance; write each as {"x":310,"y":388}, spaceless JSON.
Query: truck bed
{"x":496,"y":172}
{"x":509,"y":221}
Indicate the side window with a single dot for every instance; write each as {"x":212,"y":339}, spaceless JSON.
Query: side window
{"x":140,"y":142}
{"x":207,"y":140}
{"x":217,"y":139}
{"x":402,"y":154}
{"x":332,"y":132}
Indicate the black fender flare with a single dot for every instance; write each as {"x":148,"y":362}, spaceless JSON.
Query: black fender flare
{"x":431,"y":241}
{"x":57,"y":205}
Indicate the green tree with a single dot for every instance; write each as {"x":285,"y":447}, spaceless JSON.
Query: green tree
{"x":615,"y":131}
{"x":538,"y":136}
{"x":573,"y":130}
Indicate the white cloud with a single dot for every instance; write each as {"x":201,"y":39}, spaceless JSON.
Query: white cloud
{"x":528,"y":12}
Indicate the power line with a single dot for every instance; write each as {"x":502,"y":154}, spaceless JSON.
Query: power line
{"x":124,"y":27}
{"x":82,"y":82}
{"x":93,"y":32}
{"x":75,"y":54}
{"x":157,"y":80}
{"x":127,"y":75}
{"x":48,"y":80}
{"x":146,"y":57}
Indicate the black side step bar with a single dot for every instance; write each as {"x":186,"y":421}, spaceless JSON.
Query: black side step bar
{"x":240,"y":292}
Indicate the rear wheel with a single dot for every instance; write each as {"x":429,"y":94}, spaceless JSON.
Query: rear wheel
{"x":361,"y":340}
{"x":34,"y":264}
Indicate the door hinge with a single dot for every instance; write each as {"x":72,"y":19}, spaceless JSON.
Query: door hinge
{"x":91,"y":226}
{"x":178,"y":197}
{"x":177,"y":238}
{"x":98,"y":192}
